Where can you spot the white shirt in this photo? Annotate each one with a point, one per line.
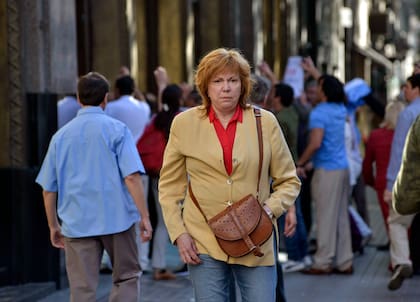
(132, 112)
(353, 153)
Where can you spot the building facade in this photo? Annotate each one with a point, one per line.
(47, 44)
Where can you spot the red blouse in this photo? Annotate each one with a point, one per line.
(226, 136)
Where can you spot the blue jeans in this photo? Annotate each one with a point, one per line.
(297, 245)
(212, 281)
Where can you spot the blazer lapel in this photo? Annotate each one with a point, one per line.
(213, 151)
(245, 140)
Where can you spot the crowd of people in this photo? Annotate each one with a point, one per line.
(310, 155)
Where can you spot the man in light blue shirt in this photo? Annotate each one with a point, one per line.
(398, 224)
(93, 167)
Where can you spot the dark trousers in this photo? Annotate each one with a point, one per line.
(280, 295)
(306, 201)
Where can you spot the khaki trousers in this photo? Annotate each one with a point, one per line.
(83, 258)
(399, 245)
(331, 192)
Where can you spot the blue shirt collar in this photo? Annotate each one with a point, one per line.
(90, 109)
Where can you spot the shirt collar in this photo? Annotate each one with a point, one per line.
(90, 109)
(237, 116)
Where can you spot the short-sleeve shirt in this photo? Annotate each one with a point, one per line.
(86, 163)
(331, 117)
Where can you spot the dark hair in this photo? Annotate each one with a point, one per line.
(285, 92)
(375, 104)
(125, 85)
(171, 99)
(414, 80)
(332, 88)
(92, 88)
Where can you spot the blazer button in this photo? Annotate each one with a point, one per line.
(229, 181)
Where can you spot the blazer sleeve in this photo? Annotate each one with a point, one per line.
(173, 183)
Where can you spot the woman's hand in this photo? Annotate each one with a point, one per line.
(187, 249)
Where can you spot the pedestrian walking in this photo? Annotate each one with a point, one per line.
(93, 194)
(398, 224)
(213, 156)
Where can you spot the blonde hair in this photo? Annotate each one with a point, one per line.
(217, 61)
(392, 111)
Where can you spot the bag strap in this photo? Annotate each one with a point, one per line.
(257, 114)
(196, 202)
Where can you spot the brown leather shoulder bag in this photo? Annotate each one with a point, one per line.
(243, 226)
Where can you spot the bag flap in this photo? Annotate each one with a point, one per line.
(248, 213)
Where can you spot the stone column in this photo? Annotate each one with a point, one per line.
(14, 135)
(48, 58)
(49, 49)
(63, 47)
(6, 18)
(40, 62)
(136, 14)
(109, 37)
(209, 27)
(279, 36)
(236, 26)
(258, 17)
(171, 32)
(268, 31)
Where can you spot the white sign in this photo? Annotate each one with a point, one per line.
(294, 75)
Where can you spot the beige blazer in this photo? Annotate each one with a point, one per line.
(194, 152)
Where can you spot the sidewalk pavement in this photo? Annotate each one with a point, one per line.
(367, 284)
(151, 291)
